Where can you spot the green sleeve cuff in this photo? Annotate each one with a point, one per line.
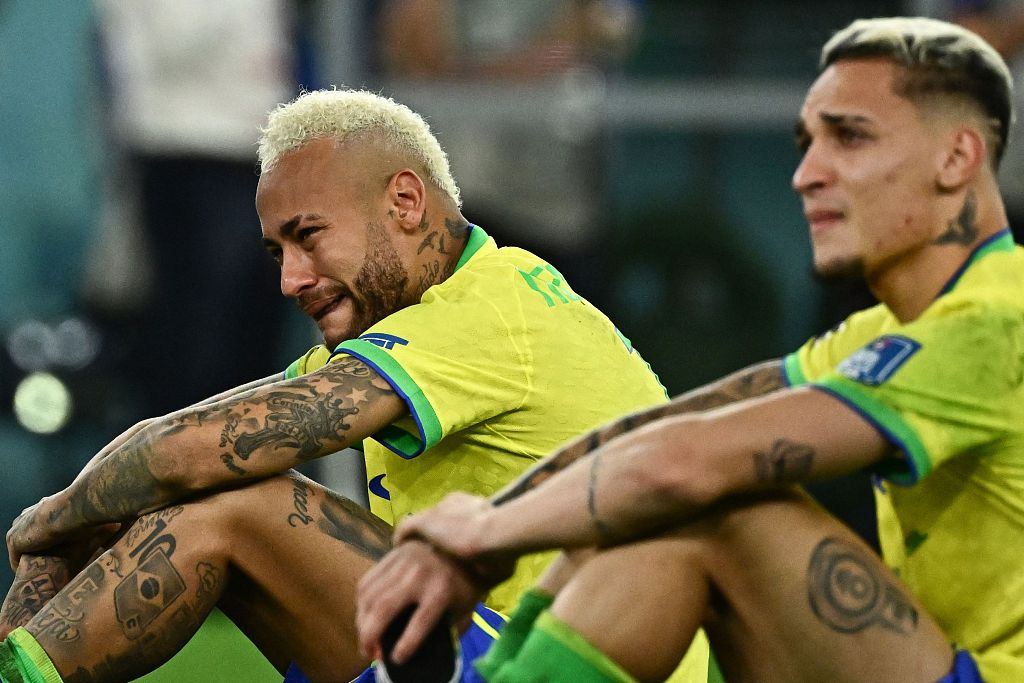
(399, 441)
(32, 661)
(916, 463)
(792, 373)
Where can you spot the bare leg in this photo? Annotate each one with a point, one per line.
(784, 591)
(36, 581)
(281, 557)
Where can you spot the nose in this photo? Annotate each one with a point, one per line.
(812, 172)
(297, 272)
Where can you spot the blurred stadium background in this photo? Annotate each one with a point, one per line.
(646, 151)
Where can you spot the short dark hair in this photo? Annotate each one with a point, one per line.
(940, 59)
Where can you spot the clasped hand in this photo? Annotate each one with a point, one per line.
(440, 564)
(41, 528)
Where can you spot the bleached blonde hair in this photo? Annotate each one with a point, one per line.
(350, 114)
(940, 59)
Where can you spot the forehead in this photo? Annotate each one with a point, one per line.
(304, 177)
(857, 87)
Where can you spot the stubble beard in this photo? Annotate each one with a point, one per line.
(839, 270)
(381, 282)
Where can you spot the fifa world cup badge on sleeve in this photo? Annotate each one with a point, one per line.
(879, 360)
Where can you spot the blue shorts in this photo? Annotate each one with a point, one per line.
(474, 643)
(964, 670)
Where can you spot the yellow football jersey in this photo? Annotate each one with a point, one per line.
(499, 364)
(947, 389)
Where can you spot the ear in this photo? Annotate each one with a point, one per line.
(962, 159)
(407, 199)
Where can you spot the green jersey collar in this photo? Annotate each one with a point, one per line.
(1001, 241)
(477, 239)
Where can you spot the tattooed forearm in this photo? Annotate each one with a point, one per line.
(756, 380)
(36, 582)
(848, 591)
(786, 462)
(252, 433)
(963, 229)
(119, 488)
(550, 466)
(354, 526)
(751, 382)
(603, 530)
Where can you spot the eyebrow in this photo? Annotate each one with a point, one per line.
(840, 119)
(801, 132)
(289, 227)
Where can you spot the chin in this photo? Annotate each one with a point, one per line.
(839, 269)
(333, 337)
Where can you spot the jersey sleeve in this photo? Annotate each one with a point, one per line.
(821, 354)
(455, 362)
(935, 387)
(314, 359)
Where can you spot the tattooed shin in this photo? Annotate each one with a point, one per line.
(61, 618)
(848, 592)
(38, 580)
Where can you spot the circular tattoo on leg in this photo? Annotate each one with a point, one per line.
(848, 593)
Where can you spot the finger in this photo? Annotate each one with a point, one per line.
(427, 614)
(380, 575)
(377, 603)
(427, 526)
(406, 530)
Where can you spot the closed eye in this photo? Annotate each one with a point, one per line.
(849, 135)
(303, 234)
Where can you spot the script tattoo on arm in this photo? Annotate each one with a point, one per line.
(848, 591)
(756, 380)
(786, 462)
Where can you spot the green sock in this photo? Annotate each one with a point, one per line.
(23, 660)
(554, 651)
(514, 632)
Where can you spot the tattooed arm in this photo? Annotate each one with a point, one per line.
(248, 435)
(666, 473)
(755, 380)
(132, 431)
